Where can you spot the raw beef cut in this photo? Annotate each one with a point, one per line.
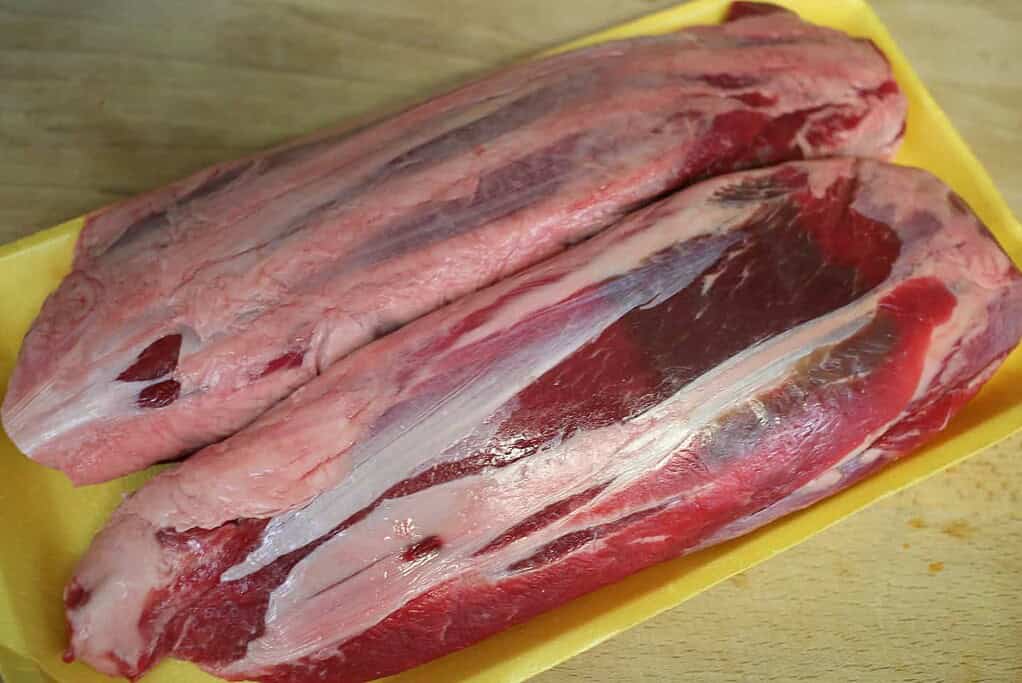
(733, 353)
(193, 309)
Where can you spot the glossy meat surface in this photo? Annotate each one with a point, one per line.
(719, 359)
(193, 309)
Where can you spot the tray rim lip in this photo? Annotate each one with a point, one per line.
(908, 79)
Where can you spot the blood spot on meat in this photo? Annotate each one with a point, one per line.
(756, 99)
(155, 361)
(159, 395)
(738, 10)
(76, 596)
(427, 546)
(291, 359)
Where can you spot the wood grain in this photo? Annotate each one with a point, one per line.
(103, 99)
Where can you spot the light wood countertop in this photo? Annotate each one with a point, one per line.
(100, 100)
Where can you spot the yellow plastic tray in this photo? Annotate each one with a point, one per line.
(47, 524)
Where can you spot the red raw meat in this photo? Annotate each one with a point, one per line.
(731, 354)
(193, 309)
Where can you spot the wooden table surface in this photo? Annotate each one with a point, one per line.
(103, 99)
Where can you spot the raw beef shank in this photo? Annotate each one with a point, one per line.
(735, 352)
(191, 310)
